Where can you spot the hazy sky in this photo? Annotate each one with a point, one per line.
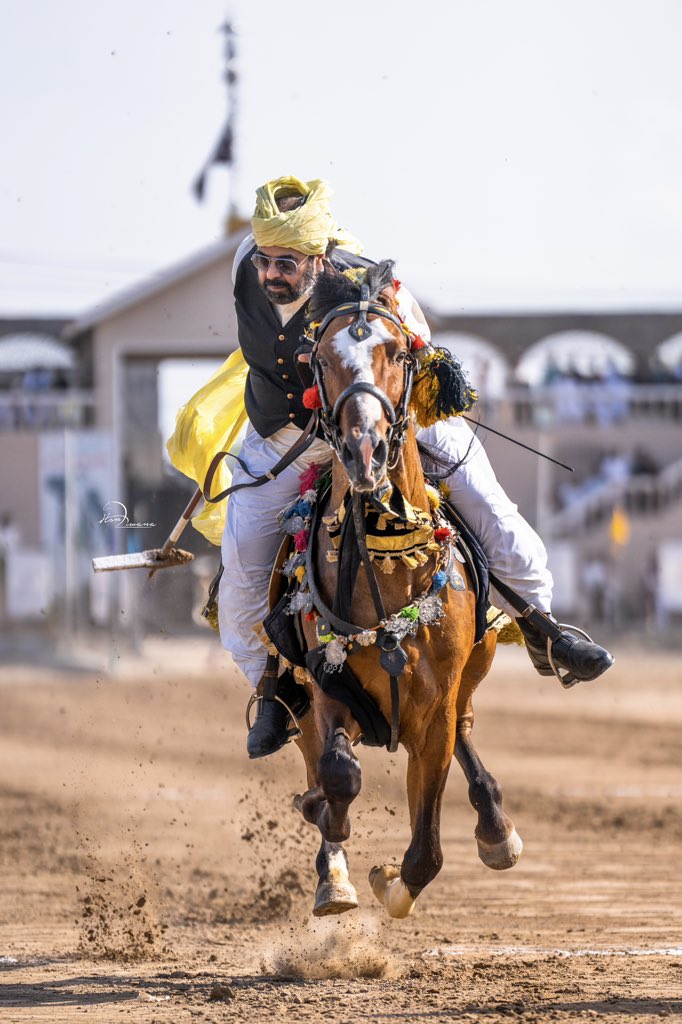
(506, 154)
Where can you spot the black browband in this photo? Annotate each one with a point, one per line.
(363, 307)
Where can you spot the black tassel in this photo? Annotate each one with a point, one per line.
(441, 388)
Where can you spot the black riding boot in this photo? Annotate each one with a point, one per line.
(581, 658)
(269, 732)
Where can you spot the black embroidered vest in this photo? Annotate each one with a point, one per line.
(274, 391)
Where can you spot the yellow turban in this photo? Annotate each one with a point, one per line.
(307, 229)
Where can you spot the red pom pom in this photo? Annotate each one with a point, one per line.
(417, 343)
(396, 283)
(442, 533)
(301, 540)
(310, 616)
(309, 478)
(311, 398)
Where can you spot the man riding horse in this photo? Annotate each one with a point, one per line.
(295, 239)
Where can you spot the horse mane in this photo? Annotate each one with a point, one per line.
(334, 287)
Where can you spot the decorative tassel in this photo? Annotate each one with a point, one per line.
(210, 614)
(441, 388)
(511, 634)
(358, 275)
(301, 541)
(442, 533)
(417, 343)
(309, 477)
(310, 616)
(366, 638)
(410, 613)
(434, 497)
(312, 398)
(440, 579)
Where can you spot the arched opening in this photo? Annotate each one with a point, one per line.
(576, 355)
(669, 355)
(487, 368)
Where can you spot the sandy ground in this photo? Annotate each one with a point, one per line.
(151, 873)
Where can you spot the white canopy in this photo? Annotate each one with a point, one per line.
(19, 352)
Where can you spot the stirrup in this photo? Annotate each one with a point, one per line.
(568, 679)
(292, 733)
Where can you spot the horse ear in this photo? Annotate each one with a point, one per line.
(381, 277)
(388, 298)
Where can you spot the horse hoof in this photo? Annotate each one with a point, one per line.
(500, 856)
(391, 891)
(334, 898)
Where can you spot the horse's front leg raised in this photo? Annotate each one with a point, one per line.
(335, 892)
(427, 772)
(334, 783)
(339, 776)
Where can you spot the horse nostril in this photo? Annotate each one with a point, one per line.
(380, 454)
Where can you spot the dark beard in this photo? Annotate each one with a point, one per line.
(286, 293)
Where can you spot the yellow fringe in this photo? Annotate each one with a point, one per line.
(424, 396)
(511, 634)
(433, 496)
(211, 617)
(507, 629)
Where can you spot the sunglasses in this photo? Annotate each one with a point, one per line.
(286, 265)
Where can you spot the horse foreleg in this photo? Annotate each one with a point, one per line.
(499, 844)
(335, 893)
(338, 770)
(427, 772)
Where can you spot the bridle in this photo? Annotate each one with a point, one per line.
(360, 329)
(392, 658)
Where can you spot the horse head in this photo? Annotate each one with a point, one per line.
(363, 370)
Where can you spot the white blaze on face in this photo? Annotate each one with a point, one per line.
(358, 356)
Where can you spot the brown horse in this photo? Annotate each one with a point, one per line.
(363, 364)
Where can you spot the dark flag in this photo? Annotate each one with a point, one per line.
(222, 154)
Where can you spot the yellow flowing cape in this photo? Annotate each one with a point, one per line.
(210, 422)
